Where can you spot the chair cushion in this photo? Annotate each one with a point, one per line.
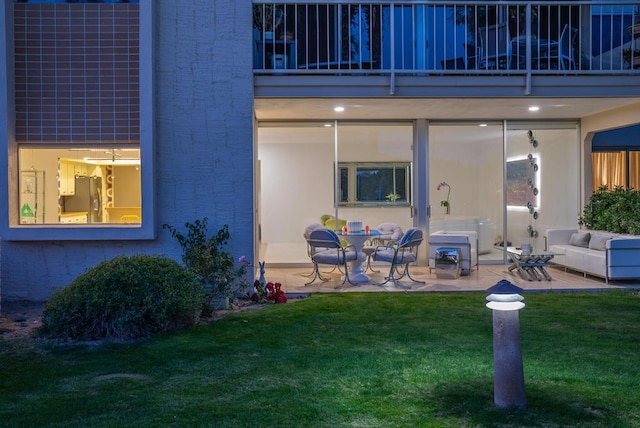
(390, 231)
(387, 254)
(333, 257)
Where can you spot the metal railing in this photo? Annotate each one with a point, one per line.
(442, 38)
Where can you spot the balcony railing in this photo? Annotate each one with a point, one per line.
(443, 38)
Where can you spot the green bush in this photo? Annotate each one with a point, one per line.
(208, 259)
(124, 298)
(615, 211)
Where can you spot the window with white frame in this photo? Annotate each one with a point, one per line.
(374, 183)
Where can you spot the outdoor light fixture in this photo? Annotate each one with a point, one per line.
(508, 372)
(338, 109)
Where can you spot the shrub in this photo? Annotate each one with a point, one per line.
(615, 211)
(207, 258)
(124, 298)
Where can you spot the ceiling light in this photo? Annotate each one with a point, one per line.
(534, 108)
(338, 109)
(327, 125)
(483, 124)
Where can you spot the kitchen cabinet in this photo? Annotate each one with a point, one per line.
(73, 217)
(66, 182)
(68, 172)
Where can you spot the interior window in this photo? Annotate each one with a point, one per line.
(375, 183)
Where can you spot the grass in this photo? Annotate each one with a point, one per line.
(350, 359)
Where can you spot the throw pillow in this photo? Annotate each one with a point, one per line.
(580, 239)
(598, 241)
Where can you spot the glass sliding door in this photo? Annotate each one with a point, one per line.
(542, 180)
(295, 167)
(375, 169)
(466, 182)
(302, 176)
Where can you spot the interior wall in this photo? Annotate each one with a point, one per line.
(557, 156)
(296, 175)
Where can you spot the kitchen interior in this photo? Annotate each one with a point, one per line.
(91, 185)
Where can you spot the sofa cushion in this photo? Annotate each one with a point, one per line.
(598, 241)
(580, 239)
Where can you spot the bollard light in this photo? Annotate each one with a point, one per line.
(508, 387)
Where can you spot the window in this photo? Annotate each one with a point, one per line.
(80, 185)
(77, 122)
(616, 169)
(67, 121)
(375, 184)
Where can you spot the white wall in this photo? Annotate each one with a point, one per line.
(297, 173)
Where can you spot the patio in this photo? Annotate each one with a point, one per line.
(293, 280)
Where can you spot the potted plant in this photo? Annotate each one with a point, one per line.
(267, 18)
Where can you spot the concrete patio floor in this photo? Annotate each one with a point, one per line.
(293, 280)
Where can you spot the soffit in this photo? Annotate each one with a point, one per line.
(434, 108)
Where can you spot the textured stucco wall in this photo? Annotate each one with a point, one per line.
(203, 123)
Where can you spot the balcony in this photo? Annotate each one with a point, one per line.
(425, 47)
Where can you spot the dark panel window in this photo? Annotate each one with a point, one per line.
(375, 184)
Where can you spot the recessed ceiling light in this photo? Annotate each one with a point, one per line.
(327, 125)
(534, 108)
(338, 109)
(483, 124)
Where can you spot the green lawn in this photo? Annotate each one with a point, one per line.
(349, 359)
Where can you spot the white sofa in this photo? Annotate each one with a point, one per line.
(466, 241)
(608, 255)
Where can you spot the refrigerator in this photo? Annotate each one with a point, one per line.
(87, 197)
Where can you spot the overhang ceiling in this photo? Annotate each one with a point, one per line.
(434, 108)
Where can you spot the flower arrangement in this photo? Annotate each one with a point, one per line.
(263, 291)
(445, 203)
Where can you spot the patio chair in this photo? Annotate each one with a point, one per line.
(400, 256)
(495, 46)
(390, 234)
(560, 55)
(326, 249)
(306, 235)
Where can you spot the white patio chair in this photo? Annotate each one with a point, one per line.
(400, 256)
(327, 249)
(390, 233)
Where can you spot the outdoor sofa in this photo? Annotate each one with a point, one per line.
(604, 254)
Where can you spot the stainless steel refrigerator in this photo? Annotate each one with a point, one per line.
(87, 197)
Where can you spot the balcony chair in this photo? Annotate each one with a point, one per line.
(400, 256)
(465, 241)
(560, 55)
(495, 47)
(326, 249)
(390, 234)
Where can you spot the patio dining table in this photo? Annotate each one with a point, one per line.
(358, 239)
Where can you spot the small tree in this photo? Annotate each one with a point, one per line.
(209, 261)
